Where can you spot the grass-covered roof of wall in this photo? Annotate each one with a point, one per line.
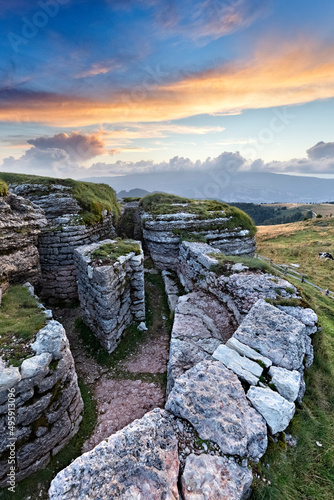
(164, 203)
(92, 198)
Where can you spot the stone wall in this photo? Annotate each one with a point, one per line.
(129, 222)
(64, 231)
(112, 295)
(47, 403)
(20, 225)
(162, 235)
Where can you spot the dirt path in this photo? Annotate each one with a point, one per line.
(132, 380)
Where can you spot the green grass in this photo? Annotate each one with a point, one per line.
(111, 251)
(37, 485)
(307, 471)
(251, 262)
(20, 320)
(3, 188)
(162, 203)
(129, 199)
(92, 198)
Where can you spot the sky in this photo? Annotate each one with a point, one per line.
(108, 87)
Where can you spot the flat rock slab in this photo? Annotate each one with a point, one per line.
(139, 462)
(274, 334)
(201, 324)
(246, 369)
(216, 478)
(212, 399)
(276, 410)
(250, 353)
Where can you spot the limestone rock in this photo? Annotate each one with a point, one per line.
(286, 382)
(51, 339)
(274, 334)
(9, 377)
(276, 410)
(243, 367)
(250, 353)
(35, 366)
(210, 477)
(140, 461)
(212, 399)
(304, 315)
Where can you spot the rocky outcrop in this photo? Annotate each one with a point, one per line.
(47, 403)
(162, 235)
(140, 461)
(111, 293)
(20, 225)
(64, 231)
(211, 477)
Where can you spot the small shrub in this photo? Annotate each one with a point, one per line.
(3, 188)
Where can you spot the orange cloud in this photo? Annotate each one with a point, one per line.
(292, 75)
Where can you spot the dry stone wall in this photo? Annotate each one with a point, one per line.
(20, 225)
(64, 231)
(47, 401)
(162, 236)
(112, 295)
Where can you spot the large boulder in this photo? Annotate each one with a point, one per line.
(212, 399)
(138, 462)
(286, 382)
(274, 334)
(210, 477)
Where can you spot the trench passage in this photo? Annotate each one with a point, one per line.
(132, 380)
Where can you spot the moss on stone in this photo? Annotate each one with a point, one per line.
(92, 198)
(111, 251)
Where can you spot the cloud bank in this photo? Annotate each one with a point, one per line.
(55, 156)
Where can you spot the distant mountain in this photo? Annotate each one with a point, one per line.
(242, 187)
(133, 193)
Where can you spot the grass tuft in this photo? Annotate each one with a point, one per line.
(3, 188)
(223, 268)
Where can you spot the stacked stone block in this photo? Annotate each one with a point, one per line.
(112, 295)
(47, 404)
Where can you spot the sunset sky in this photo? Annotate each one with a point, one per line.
(107, 87)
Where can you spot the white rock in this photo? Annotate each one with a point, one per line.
(286, 382)
(37, 365)
(241, 366)
(142, 327)
(276, 410)
(250, 353)
(239, 267)
(9, 377)
(51, 339)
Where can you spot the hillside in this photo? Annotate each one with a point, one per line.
(306, 471)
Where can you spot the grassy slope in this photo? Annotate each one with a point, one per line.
(325, 209)
(92, 198)
(307, 471)
(20, 320)
(163, 203)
